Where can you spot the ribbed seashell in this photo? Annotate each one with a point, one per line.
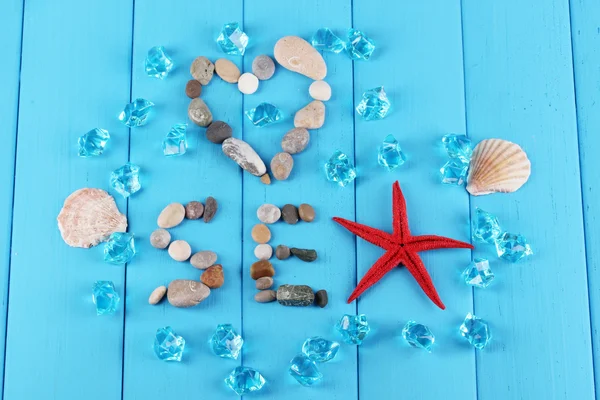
(497, 166)
(88, 217)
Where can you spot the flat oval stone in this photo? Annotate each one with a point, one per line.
(157, 295)
(321, 298)
(199, 113)
(265, 179)
(193, 89)
(263, 67)
(296, 54)
(213, 277)
(282, 252)
(218, 131)
(227, 70)
(248, 83)
(180, 250)
(244, 155)
(194, 210)
(311, 117)
(160, 239)
(295, 295)
(320, 90)
(261, 268)
(295, 140)
(307, 255)
(171, 216)
(268, 213)
(263, 251)
(202, 70)
(266, 282)
(289, 212)
(281, 166)
(203, 259)
(265, 296)
(306, 212)
(187, 293)
(261, 233)
(210, 209)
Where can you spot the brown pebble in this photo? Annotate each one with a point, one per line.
(210, 209)
(289, 212)
(213, 276)
(193, 89)
(321, 298)
(194, 210)
(306, 212)
(282, 252)
(266, 179)
(261, 234)
(266, 282)
(261, 268)
(265, 296)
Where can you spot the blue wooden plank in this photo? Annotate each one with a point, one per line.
(519, 82)
(75, 76)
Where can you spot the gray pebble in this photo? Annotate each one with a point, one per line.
(218, 131)
(194, 210)
(282, 252)
(160, 239)
(295, 295)
(199, 113)
(202, 69)
(263, 67)
(157, 295)
(268, 213)
(321, 298)
(281, 166)
(265, 296)
(295, 140)
(203, 259)
(244, 155)
(210, 209)
(304, 254)
(187, 293)
(289, 212)
(263, 251)
(266, 282)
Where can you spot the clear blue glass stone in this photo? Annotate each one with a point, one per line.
(105, 297)
(454, 172)
(126, 179)
(168, 346)
(418, 335)
(175, 143)
(93, 143)
(476, 331)
(512, 247)
(136, 113)
(374, 104)
(390, 154)
(244, 380)
(339, 169)
(304, 370)
(485, 227)
(359, 46)
(264, 114)
(324, 39)
(478, 273)
(458, 146)
(232, 40)
(353, 328)
(119, 248)
(226, 342)
(158, 64)
(319, 349)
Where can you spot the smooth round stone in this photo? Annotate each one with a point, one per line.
(265, 179)
(263, 251)
(261, 233)
(244, 155)
(210, 209)
(171, 216)
(321, 298)
(264, 283)
(263, 67)
(218, 131)
(289, 212)
(213, 277)
(160, 238)
(311, 117)
(281, 166)
(262, 268)
(194, 210)
(157, 295)
(268, 213)
(306, 212)
(187, 293)
(248, 83)
(180, 250)
(265, 296)
(295, 140)
(193, 89)
(320, 90)
(296, 54)
(199, 113)
(203, 259)
(202, 70)
(282, 252)
(227, 70)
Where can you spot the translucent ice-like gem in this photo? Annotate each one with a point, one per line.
(418, 335)
(353, 328)
(304, 370)
(324, 39)
(226, 342)
(374, 104)
(232, 39)
(390, 153)
(158, 64)
(319, 349)
(93, 142)
(126, 179)
(119, 248)
(512, 247)
(458, 146)
(244, 380)
(168, 346)
(478, 273)
(264, 114)
(105, 297)
(476, 331)
(339, 169)
(454, 172)
(486, 228)
(359, 46)
(136, 113)
(175, 143)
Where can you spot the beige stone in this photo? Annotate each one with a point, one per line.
(320, 90)
(297, 55)
(180, 250)
(227, 70)
(311, 117)
(171, 216)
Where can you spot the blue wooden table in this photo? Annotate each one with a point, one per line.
(525, 71)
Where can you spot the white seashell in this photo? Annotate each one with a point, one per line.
(88, 217)
(497, 166)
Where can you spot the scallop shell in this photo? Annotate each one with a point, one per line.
(497, 166)
(88, 217)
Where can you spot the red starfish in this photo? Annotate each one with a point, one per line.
(401, 248)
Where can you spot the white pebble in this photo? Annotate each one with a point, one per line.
(248, 83)
(320, 90)
(180, 250)
(263, 251)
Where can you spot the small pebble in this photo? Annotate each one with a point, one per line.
(282, 252)
(289, 212)
(157, 295)
(193, 89)
(265, 179)
(310, 117)
(227, 70)
(244, 155)
(210, 209)
(218, 131)
(187, 293)
(306, 212)
(194, 210)
(266, 282)
(203, 259)
(265, 296)
(263, 251)
(295, 140)
(261, 268)
(261, 233)
(199, 113)
(321, 298)
(281, 166)
(320, 90)
(248, 83)
(268, 213)
(304, 254)
(202, 69)
(213, 276)
(171, 216)
(180, 250)
(295, 295)
(263, 67)
(160, 239)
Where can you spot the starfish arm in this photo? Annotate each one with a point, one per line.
(416, 267)
(431, 242)
(371, 235)
(401, 229)
(386, 263)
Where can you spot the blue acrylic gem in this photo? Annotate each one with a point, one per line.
(390, 153)
(126, 180)
(458, 146)
(454, 172)
(353, 328)
(105, 297)
(264, 114)
(168, 346)
(232, 39)
(512, 247)
(359, 46)
(304, 370)
(93, 143)
(418, 335)
(486, 228)
(244, 380)
(119, 248)
(476, 331)
(175, 143)
(319, 349)
(374, 104)
(339, 169)
(324, 39)
(225, 342)
(478, 273)
(136, 113)
(158, 64)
